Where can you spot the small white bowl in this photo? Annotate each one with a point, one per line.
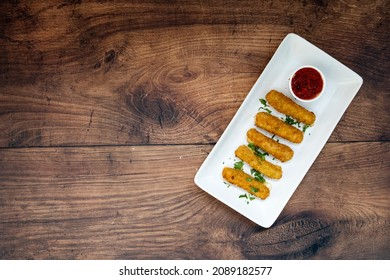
(313, 85)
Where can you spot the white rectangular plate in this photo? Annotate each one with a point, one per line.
(342, 84)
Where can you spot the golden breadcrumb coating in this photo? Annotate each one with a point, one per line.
(278, 127)
(245, 181)
(286, 106)
(261, 165)
(278, 150)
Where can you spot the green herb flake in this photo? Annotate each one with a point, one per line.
(257, 175)
(249, 179)
(252, 146)
(306, 126)
(266, 109)
(254, 190)
(247, 197)
(239, 165)
(265, 105)
(263, 101)
(290, 121)
(256, 151)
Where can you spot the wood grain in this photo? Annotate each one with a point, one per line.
(75, 73)
(134, 203)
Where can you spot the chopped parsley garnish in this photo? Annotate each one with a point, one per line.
(253, 189)
(265, 105)
(267, 110)
(263, 101)
(252, 146)
(247, 197)
(257, 151)
(249, 179)
(306, 126)
(257, 175)
(291, 121)
(239, 165)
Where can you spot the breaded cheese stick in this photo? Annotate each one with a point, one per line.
(286, 106)
(246, 182)
(265, 167)
(278, 127)
(278, 150)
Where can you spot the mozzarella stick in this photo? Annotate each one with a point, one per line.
(286, 106)
(278, 150)
(246, 182)
(265, 167)
(278, 127)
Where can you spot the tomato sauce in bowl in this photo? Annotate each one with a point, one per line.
(307, 83)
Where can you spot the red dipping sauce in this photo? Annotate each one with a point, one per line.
(307, 83)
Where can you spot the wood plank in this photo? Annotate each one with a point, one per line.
(140, 202)
(147, 73)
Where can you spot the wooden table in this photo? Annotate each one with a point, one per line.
(108, 109)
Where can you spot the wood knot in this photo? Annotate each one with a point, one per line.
(109, 56)
(26, 138)
(182, 75)
(300, 238)
(153, 104)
